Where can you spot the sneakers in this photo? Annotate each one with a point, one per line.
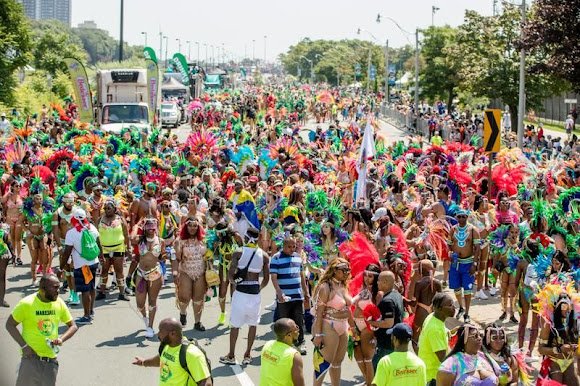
(460, 312)
(513, 319)
(199, 327)
(74, 296)
(100, 296)
(183, 319)
(149, 332)
(227, 360)
(271, 307)
(493, 291)
(123, 297)
(84, 320)
(18, 262)
(222, 318)
(302, 349)
(466, 319)
(481, 295)
(503, 316)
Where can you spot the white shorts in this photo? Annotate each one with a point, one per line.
(245, 309)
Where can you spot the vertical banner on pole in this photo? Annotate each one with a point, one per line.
(152, 88)
(181, 64)
(82, 91)
(149, 53)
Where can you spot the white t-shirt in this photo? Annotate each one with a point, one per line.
(73, 238)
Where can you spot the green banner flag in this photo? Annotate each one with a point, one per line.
(82, 90)
(149, 53)
(152, 87)
(181, 65)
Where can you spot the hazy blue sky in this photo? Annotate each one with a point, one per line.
(237, 23)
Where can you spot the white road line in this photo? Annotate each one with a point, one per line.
(243, 378)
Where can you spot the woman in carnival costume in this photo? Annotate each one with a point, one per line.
(116, 244)
(6, 254)
(482, 219)
(38, 210)
(189, 270)
(13, 203)
(148, 276)
(558, 343)
(513, 369)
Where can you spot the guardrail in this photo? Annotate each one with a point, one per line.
(408, 121)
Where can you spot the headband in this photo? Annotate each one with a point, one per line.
(489, 330)
(466, 328)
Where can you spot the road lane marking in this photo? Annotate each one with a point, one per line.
(243, 378)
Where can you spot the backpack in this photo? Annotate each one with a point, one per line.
(183, 352)
(89, 247)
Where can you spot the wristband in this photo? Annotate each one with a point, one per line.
(318, 335)
(23, 347)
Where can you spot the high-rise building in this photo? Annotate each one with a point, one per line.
(48, 10)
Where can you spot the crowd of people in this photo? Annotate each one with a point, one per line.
(349, 230)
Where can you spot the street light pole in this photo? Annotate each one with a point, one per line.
(205, 44)
(254, 52)
(387, 72)
(121, 32)
(417, 71)
(188, 50)
(265, 38)
(145, 34)
(522, 91)
(178, 40)
(197, 44)
(433, 10)
(369, 72)
(160, 45)
(166, 45)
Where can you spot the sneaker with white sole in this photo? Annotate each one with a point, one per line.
(481, 295)
(149, 332)
(493, 291)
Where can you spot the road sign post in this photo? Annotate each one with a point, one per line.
(491, 139)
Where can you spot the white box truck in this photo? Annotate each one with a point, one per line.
(122, 100)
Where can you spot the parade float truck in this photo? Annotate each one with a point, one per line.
(122, 100)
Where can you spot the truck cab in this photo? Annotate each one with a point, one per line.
(122, 100)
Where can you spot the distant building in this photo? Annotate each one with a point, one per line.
(48, 10)
(88, 24)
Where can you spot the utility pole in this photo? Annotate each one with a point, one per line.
(369, 72)
(494, 7)
(265, 39)
(121, 34)
(188, 50)
(522, 93)
(205, 44)
(145, 34)
(178, 40)
(433, 10)
(160, 46)
(417, 71)
(254, 52)
(197, 44)
(387, 72)
(166, 45)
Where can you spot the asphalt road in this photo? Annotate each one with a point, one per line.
(101, 353)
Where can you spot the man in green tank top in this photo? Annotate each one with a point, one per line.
(281, 362)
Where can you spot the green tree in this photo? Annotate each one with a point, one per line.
(488, 47)
(439, 75)
(100, 46)
(54, 41)
(553, 33)
(15, 46)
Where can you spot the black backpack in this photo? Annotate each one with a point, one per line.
(183, 352)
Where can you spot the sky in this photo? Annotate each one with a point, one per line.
(267, 28)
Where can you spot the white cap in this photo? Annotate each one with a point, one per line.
(379, 214)
(3, 115)
(79, 214)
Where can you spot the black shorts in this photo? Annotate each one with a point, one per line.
(80, 285)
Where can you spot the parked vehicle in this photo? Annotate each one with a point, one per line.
(171, 114)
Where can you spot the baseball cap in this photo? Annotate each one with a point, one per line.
(379, 214)
(401, 331)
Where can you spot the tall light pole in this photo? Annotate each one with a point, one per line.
(254, 52)
(434, 9)
(160, 45)
(265, 39)
(121, 32)
(145, 34)
(387, 71)
(197, 44)
(188, 50)
(178, 40)
(212, 55)
(417, 71)
(522, 91)
(166, 45)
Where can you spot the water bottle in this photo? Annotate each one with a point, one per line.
(55, 349)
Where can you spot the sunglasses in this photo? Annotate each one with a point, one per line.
(343, 269)
(461, 216)
(498, 337)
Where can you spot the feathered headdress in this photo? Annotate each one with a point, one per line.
(202, 143)
(85, 171)
(360, 252)
(58, 157)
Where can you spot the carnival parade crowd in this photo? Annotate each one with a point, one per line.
(349, 230)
